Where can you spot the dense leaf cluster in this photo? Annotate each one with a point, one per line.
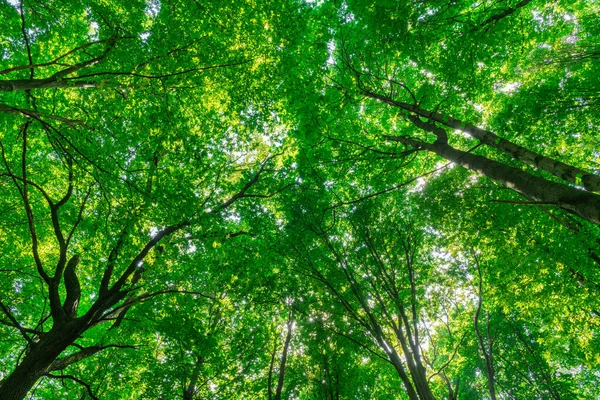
(360, 199)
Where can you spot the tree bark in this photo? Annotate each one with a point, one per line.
(397, 363)
(487, 351)
(191, 389)
(415, 367)
(559, 169)
(286, 348)
(392, 355)
(39, 359)
(48, 83)
(418, 371)
(67, 329)
(580, 202)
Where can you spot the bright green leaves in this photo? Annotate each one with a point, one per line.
(248, 121)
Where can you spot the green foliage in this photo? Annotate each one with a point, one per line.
(264, 202)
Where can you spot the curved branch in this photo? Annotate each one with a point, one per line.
(30, 221)
(64, 362)
(74, 379)
(142, 254)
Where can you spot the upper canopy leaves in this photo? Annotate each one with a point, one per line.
(243, 199)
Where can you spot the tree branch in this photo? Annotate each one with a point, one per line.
(29, 213)
(74, 379)
(248, 185)
(510, 10)
(15, 323)
(56, 60)
(38, 115)
(64, 362)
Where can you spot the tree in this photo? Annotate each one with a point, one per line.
(374, 277)
(98, 203)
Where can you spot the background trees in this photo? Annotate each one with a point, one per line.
(266, 199)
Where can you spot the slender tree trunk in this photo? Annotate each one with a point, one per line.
(488, 355)
(559, 169)
(397, 363)
(286, 348)
(418, 371)
(452, 392)
(487, 351)
(391, 353)
(270, 377)
(580, 202)
(191, 389)
(415, 367)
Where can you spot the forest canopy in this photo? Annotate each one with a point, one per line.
(293, 199)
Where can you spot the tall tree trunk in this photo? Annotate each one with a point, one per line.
(418, 371)
(559, 169)
(580, 202)
(393, 356)
(270, 377)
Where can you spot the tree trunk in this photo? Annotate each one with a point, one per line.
(487, 351)
(397, 363)
(559, 169)
(191, 389)
(270, 376)
(415, 367)
(580, 202)
(38, 360)
(286, 348)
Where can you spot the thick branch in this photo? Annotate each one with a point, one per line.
(48, 83)
(510, 10)
(580, 202)
(72, 287)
